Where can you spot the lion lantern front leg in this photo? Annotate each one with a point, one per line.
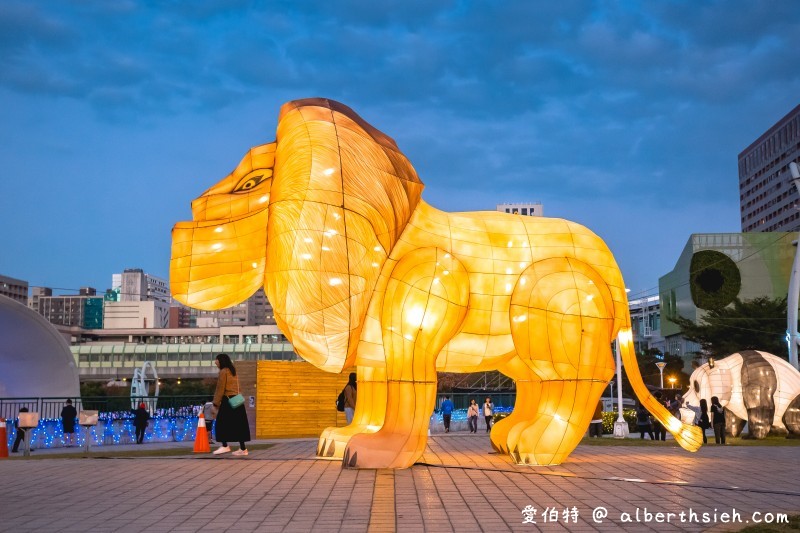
(424, 305)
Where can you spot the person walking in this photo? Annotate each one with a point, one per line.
(447, 413)
(596, 425)
(20, 432)
(472, 416)
(718, 420)
(658, 428)
(643, 422)
(350, 393)
(140, 418)
(231, 423)
(704, 422)
(488, 413)
(68, 415)
(209, 413)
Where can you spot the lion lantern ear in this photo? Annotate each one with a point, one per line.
(218, 260)
(342, 195)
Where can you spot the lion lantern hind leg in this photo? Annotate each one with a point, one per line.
(562, 324)
(366, 419)
(423, 307)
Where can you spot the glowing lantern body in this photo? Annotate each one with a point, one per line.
(361, 272)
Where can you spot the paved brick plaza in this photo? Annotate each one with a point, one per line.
(458, 486)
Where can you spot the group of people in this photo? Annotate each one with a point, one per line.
(705, 418)
(473, 412)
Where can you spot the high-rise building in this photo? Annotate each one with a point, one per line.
(255, 311)
(84, 310)
(533, 209)
(13, 288)
(767, 198)
(134, 285)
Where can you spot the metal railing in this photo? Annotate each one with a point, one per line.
(109, 407)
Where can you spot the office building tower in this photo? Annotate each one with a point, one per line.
(768, 199)
(13, 288)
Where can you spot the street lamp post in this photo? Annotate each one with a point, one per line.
(672, 382)
(612, 393)
(661, 365)
(794, 286)
(620, 426)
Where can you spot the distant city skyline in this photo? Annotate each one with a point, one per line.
(626, 118)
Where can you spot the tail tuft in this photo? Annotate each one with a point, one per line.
(689, 437)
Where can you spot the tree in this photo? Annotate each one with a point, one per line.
(757, 324)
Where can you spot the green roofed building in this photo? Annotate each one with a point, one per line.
(715, 268)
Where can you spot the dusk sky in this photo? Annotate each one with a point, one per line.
(627, 117)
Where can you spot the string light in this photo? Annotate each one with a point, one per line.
(111, 430)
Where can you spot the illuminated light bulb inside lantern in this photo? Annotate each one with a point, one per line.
(447, 256)
(522, 265)
(377, 249)
(335, 281)
(508, 287)
(508, 271)
(523, 281)
(306, 256)
(446, 272)
(408, 337)
(216, 246)
(589, 297)
(336, 216)
(435, 281)
(263, 199)
(375, 265)
(414, 316)
(328, 171)
(326, 249)
(330, 232)
(308, 239)
(591, 282)
(557, 417)
(218, 229)
(510, 244)
(520, 318)
(673, 425)
(255, 265)
(524, 244)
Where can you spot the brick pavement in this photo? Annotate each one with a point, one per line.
(459, 485)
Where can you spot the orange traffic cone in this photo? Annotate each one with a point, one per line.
(3, 439)
(201, 437)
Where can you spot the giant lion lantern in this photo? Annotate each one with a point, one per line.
(363, 273)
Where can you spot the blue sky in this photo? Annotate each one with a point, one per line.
(624, 116)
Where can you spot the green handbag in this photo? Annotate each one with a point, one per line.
(236, 401)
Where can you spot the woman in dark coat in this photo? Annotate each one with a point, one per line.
(231, 424)
(718, 420)
(68, 415)
(140, 418)
(704, 422)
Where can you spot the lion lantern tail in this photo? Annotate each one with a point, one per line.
(688, 436)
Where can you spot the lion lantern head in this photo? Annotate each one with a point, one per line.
(312, 218)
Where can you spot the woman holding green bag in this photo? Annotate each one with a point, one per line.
(231, 424)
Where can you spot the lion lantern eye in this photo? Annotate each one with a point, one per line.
(251, 181)
(697, 387)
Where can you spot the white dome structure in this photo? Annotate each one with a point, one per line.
(35, 360)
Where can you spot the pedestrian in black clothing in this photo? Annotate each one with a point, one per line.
(643, 422)
(140, 418)
(658, 428)
(718, 420)
(20, 432)
(704, 422)
(68, 415)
